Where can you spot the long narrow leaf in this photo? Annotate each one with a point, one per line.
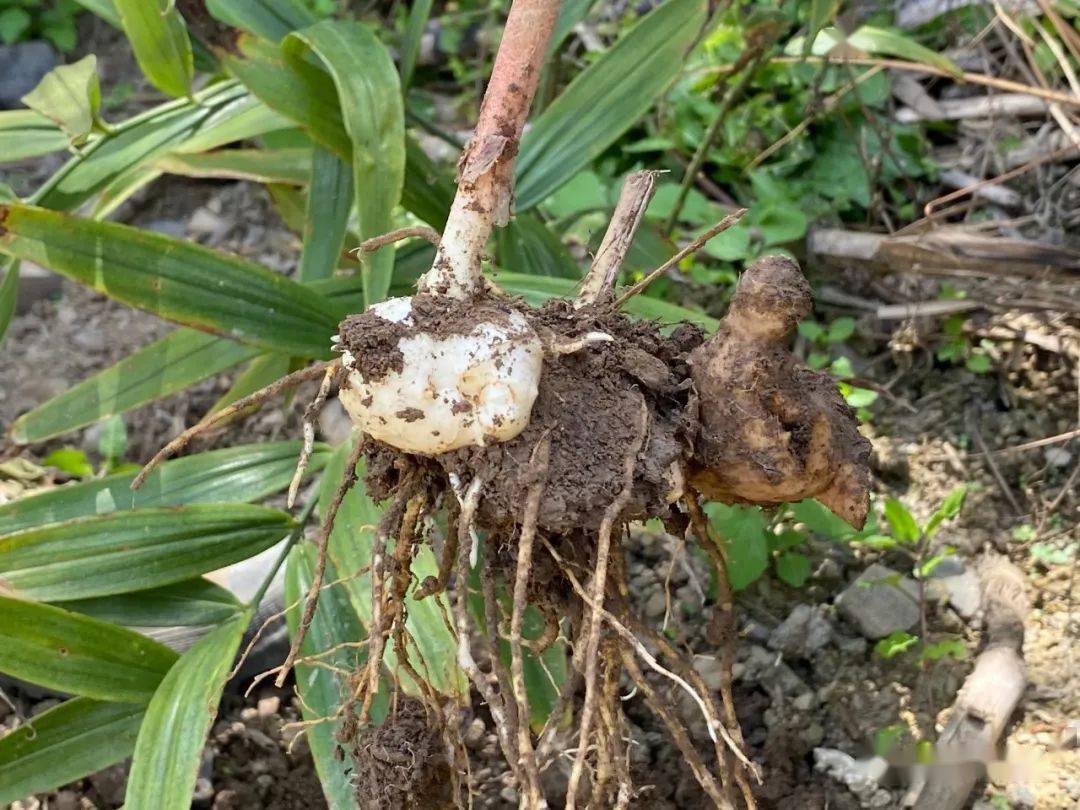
(121, 552)
(605, 99)
(178, 360)
(159, 38)
(191, 603)
(329, 200)
(321, 689)
(173, 278)
(527, 245)
(419, 12)
(374, 117)
(27, 134)
(435, 650)
(9, 295)
(70, 653)
(172, 735)
(235, 474)
(164, 367)
(537, 289)
(290, 166)
(69, 741)
(301, 92)
(269, 19)
(139, 140)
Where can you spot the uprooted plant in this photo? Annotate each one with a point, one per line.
(541, 433)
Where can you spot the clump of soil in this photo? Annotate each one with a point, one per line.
(401, 763)
(590, 404)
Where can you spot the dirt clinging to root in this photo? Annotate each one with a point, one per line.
(401, 763)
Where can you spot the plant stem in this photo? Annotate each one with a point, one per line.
(707, 140)
(486, 170)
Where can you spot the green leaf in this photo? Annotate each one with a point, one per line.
(821, 13)
(326, 216)
(26, 134)
(129, 551)
(9, 295)
(820, 520)
(104, 9)
(191, 603)
(950, 507)
(428, 191)
(793, 568)
(107, 159)
(528, 246)
(69, 741)
(571, 12)
(321, 690)
(69, 460)
(269, 19)
(858, 397)
(54, 648)
(903, 525)
(173, 278)
(895, 643)
(160, 40)
(164, 367)
(606, 99)
(435, 650)
(944, 648)
(289, 166)
(171, 739)
(260, 372)
(300, 91)
(537, 289)
(742, 530)
(70, 96)
(370, 99)
(978, 363)
(892, 43)
(778, 223)
(245, 473)
(840, 330)
(112, 443)
(14, 23)
(419, 12)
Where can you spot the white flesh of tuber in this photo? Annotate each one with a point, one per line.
(453, 391)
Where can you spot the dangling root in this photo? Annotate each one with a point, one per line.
(348, 478)
(463, 626)
(666, 713)
(603, 548)
(180, 442)
(389, 238)
(393, 518)
(527, 763)
(310, 415)
(726, 619)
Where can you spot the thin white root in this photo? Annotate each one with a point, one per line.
(310, 415)
(583, 342)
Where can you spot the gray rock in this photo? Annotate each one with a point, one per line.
(710, 669)
(169, 227)
(22, 66)
(880, 601)
(655, 604)
(35, 284)
(802, 633)
(861, 776)
(964, 592)
(767, 668)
